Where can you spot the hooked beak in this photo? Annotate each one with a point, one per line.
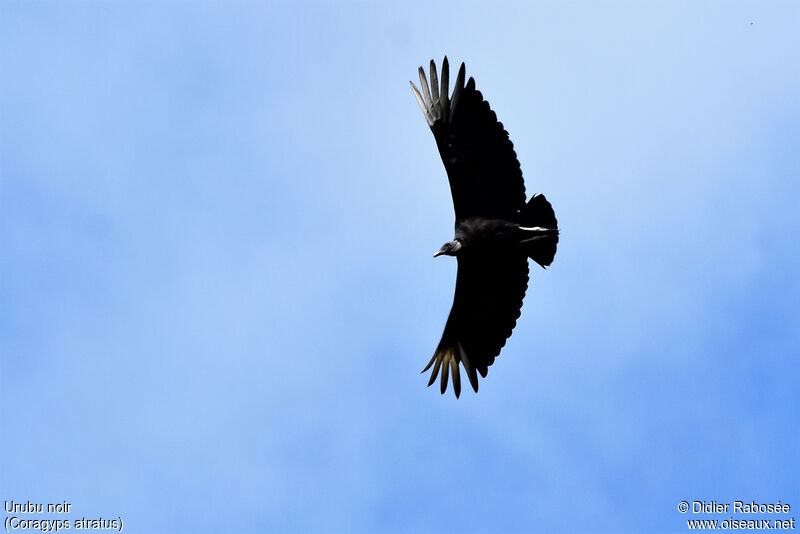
(450, 248)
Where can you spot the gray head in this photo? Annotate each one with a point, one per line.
(450, 248)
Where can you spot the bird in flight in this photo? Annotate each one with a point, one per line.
(496, 230)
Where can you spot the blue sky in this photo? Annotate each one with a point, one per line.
(217, 291)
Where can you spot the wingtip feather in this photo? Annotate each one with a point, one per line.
(434, 84)
(456, 376)
(457, 88)
(472, 375)
(433, 358)
(426, 93)
(436, 367)
(445, 373)
(444, 93)
(421, 103)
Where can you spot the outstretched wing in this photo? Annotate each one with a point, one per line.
(482, 167)
(487, 304)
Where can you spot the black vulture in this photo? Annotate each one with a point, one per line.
(496, 230)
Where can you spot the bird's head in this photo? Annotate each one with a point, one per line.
(450, 248)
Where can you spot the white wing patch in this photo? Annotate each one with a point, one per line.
(433, 100)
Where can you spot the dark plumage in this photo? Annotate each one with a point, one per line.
(496, 230)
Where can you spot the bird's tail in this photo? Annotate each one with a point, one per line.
(540, 230)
